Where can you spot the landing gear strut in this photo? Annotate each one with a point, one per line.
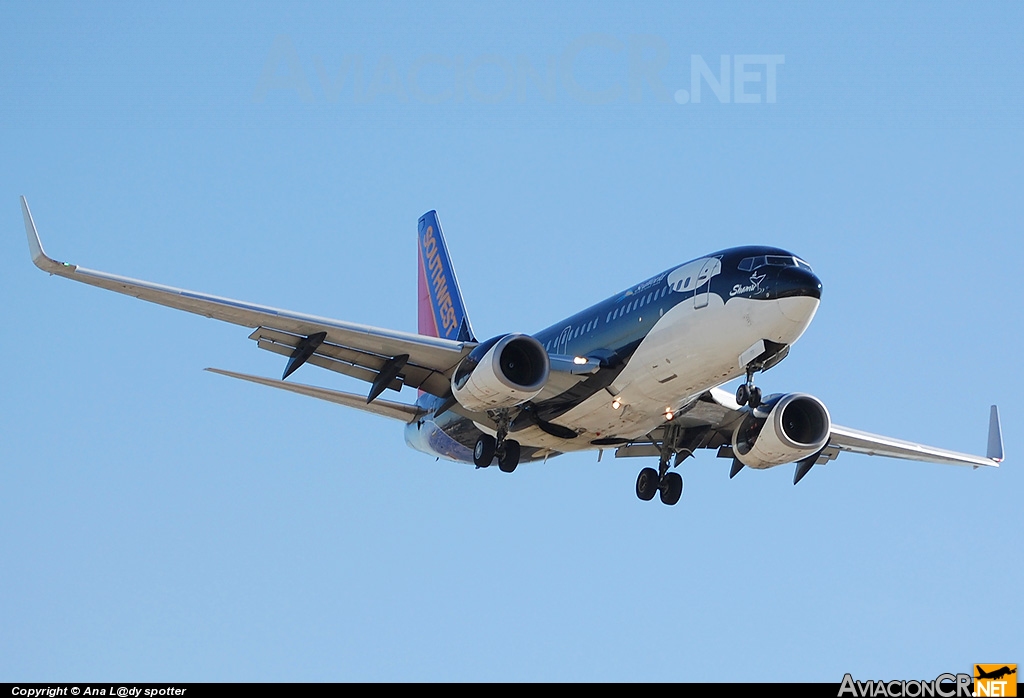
(506, 449)
(748, 393)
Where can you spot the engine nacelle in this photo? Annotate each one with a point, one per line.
(782, 430)
(501, 372)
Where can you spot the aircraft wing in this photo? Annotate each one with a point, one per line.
(386, 358)
(856, 441)
(718, 412)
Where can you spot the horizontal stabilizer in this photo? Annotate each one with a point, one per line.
(385, 408)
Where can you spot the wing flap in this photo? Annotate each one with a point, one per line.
(358, 364)
(330, 364)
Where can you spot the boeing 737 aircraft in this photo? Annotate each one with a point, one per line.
(638, 372)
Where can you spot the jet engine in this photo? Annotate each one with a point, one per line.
(502, 372)
(783, 429)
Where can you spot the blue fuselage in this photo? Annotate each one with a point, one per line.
(612, 330)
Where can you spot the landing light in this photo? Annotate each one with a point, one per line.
(579, 360)
(616, 404)
(669, 415)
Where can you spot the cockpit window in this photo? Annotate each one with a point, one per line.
(772, 260)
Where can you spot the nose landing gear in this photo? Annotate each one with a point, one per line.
(748, 393)
(760, 357)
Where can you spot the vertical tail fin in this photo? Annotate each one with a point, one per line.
(441, 310)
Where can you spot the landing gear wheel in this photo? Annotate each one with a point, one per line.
(509, 458)
(742, 395)
(755, 397)
(483, 452)
(647, 484)
(671, 488)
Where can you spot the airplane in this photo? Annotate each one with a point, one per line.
(640, 372)
(996, 674)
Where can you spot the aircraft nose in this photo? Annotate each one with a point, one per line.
(797, 281)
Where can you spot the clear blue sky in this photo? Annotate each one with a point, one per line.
(162, 523)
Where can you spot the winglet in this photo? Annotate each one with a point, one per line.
(995, 436)
(35, 246)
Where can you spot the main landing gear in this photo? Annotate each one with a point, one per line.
(748, 393)
(507, 450)
(670, 485)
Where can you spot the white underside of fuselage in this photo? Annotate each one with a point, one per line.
(689, 351)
